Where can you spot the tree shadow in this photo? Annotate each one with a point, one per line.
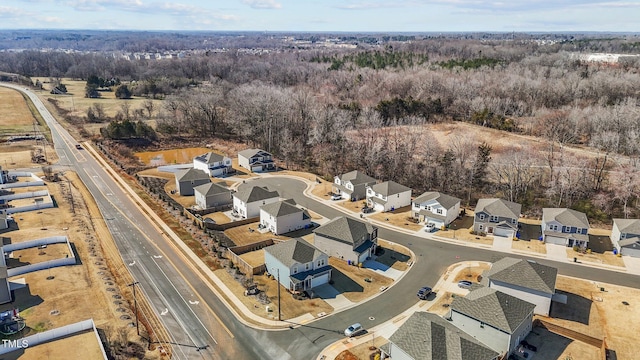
(549, 345)
(577, 308)
(342, 283)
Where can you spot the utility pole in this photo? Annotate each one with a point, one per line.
(279, 318)
(135, 305)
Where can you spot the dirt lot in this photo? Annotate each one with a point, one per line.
(172, 156)
(399, 217)
(291, 307)
(529, 245)
(349, 280)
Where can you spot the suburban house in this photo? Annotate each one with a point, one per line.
(247, 201)
(427, 336)
(388, 196)
(352, 185)
(214, 164)
(496, 216)
(526, 280)
(434, 207)
(4, 176)
(283, 217)
(4, 220)
(212, 195)
(347, 238)
(564, 226)
(298, 265)
(496, 319)
(186, 180)
(256, 160)
(625, 236)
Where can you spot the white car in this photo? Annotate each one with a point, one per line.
(430, 227)
(335, 197)
(353, 330)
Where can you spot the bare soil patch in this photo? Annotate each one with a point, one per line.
(17, 155)
(186, 201)
(171, 156)
(363, 351)
(350, 280)
(472, 273)
(399, 217)
(606, 258)
(529, 245)
(441, 306)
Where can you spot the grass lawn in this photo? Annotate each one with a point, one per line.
(15, 116)
(186, 201)
(399, 217)
(530, 245)
(354, 206)
(254, 258)
(606, 258)
(349, 280)
(395, 256)
(322, 190)
(465, 235)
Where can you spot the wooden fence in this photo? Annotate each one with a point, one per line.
(233, 254)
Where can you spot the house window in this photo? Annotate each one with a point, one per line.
(513, 221)
(306, 266)
(439, 211)
(428, 208)
(553, 227)
(480, 227)
(578, 231)
(566, 229)
(295, 269)
(481, 217)
(494, 218)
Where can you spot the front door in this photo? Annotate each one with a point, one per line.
(307, 284)
(490, 230)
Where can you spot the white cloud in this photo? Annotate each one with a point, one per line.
(262, 4)
(375, 5)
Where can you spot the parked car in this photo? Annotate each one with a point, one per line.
(353, 330)
(424, 292)
(430, 227)
(528, 346)
(367, 210)
(464, 284)
(78, 146)
(335, 197)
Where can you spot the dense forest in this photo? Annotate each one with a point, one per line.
(373, 107)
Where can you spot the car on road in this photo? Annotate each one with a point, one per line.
(78, 146)
(353, 330)
(424, 292)
(430, 227)
(464, 284)
(335, 197)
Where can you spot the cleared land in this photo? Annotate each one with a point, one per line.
(172, 156)
(15, 116)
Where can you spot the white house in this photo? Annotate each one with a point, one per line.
(388, 196)
(212, 163)
(297, 264)
(283, 216)
(352, 185)
(4, 176)
(256, 160)
(4, 220)
(347, 238)
(526, 280)
(247, 201)
(564, 226)
(186, 180)
(625, 236)
(434, 207)
(496, 216)
(427, 336)
(212, 195)
(496, 319)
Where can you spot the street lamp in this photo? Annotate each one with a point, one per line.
(135, 305)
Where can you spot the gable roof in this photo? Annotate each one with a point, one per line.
(389, 188)
(211, 189)
(524, 273)
(248, 153)
(255, 193)
(427, 336)
(294, 251)
(346, 229)
(628, 226)
(356, 177)
(447, 201)
(494, 308)
(191, 174)
(499, 207)
(564, 216)
(281, 208)
(210, 158)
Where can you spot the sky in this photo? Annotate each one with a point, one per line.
(325, 15)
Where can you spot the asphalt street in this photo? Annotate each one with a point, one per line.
(195, 316)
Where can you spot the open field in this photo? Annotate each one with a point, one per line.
(172, 156)
(85, 346)
(399, 217)
(15, 116)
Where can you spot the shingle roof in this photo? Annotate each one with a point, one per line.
(211, 189)
(281, 208)
(499, 207)
(564, 216)
(210, 158)
(524, 273)
(293, 251)
(356, 177)
(255, 193)
(427, 336)
(346, 229)
(251, 152)
(628, 226)
(191, 174)
(494, 308)
(389, 188)
(447, 201)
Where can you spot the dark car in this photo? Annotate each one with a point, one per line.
(464, 284)
(367, 210)
(424, 292)
(78, 147)
(528, 346)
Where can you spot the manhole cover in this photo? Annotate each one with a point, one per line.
(51, 277)
(116, 296)
(121, 309)
(371, 318)
(111, 289)
(54, 312)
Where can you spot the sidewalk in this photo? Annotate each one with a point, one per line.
(387, 329)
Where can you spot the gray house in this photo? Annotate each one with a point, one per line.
(186, 180)
(4, 220)
(427, 336)
(526, 280)
(248, 200)
(256, 160)
(214, 164)
(496, 319)
(352, 185)
(496, 216)
(283, 216)
(625, 236)
(436, 208)
(212, 195)
(347, 238)
(299, 265)
(564, 226)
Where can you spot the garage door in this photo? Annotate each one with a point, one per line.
(503, 232)
(555, 240)
(320, 280)
(378, 207)
(631, 252)
(363, 257)
(256, 168)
